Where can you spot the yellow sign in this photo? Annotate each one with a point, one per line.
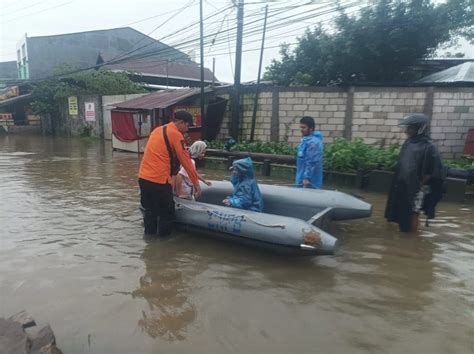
(9, 92)
(73, 106)
(195, 111)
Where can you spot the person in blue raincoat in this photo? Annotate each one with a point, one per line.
(246, 192)
(309, 158)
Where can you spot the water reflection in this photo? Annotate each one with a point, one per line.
(165, 286)
(71, 238)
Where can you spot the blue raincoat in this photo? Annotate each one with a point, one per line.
(309, 160)
(246, 192)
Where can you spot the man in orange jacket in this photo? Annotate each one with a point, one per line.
(165, 147)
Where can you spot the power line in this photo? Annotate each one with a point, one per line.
(148, 54)
(39, 12)
(26, 7)
(112, 61)
(230, 55)
(253, 30)
(190, 42)
(218, 31)
(12, 3)
(153, 17)
(160, 40)
(157, 27)
(285, 24)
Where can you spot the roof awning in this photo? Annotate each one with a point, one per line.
(462, 73)
(160, 99)
(14, 100)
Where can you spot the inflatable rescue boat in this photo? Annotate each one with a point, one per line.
(293, 219)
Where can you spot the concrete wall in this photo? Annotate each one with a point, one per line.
(328, 109)
(453, 115)
(66, 124)
(377, 113)
(371, 113)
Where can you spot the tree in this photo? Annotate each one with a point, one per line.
(379, 45)
(450, 55)
(47, 93)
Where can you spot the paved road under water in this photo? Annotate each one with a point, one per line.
(72, 254)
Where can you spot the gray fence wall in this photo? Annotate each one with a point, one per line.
(371, 113)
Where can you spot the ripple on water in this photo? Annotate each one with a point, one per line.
(72, 247)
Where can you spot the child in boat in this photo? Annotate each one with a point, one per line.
(246, 192)
(184, 186)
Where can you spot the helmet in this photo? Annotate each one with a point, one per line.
(417, 119)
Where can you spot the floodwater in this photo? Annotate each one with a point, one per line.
(72, 254)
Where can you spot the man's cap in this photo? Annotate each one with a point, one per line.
(185, 117)
(415, 119)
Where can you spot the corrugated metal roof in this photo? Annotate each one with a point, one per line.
(160, 99)
(162, 68)
(459, 73)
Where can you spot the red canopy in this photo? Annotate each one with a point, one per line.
(123, 126)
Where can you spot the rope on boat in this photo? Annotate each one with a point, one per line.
(243, 217)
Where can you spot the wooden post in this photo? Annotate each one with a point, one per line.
(238, 65)
(201, 29)
(255, 102)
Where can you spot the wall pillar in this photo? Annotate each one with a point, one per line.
(349, 113)
(275, 122)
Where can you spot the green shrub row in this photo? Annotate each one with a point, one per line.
(342, 155)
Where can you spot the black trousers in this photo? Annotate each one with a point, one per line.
(157, 199)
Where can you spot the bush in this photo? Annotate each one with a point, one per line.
(348, 156)
(464, 163)
(256, 147)
(341, 156)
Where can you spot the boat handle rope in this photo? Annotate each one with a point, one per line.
(243, 217)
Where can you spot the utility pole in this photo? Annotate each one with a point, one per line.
(167, 76)
(238, 65)
(201, 28)
(257, 89)
(213, 71)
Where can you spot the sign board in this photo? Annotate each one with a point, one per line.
(90, 111)
(72, 101)
(195, 111)
(6, 116)
(9, 92)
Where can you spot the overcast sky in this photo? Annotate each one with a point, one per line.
(38, 18)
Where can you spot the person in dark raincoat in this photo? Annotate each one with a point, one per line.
(246, 192)
(418, 180)
(309, 156)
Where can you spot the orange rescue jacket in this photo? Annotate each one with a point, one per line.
(155, 165)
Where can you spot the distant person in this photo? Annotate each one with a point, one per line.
(246, 192)
(418, 181)
(309, 157)
(165, 147)
(184, 185)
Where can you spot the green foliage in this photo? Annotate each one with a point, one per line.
(265, 147)
(347, 156)
(464, 163)
(216, 144)
(343, 155)
(380, 44)
(86, 131)
(256, 147)
(47, 94)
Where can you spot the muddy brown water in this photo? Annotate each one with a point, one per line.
(72, 254)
